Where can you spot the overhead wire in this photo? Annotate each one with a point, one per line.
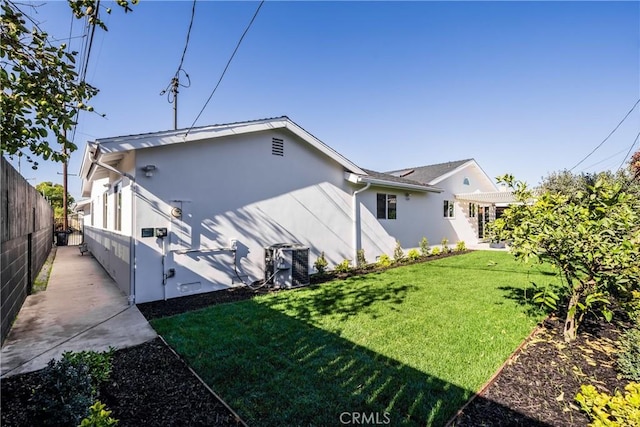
(608, 136)
(175, 80)
(635, 141)
(225, 68)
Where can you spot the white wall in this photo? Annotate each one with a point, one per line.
(461, 227)
(112, 251)
(409, 227)
(234, 188)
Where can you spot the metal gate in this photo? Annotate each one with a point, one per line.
(73, 235)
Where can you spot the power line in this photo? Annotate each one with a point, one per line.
(226, 67)
(603, 160)
(608, 136)
(635, 141)
(174, 84)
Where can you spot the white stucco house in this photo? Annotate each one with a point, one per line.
(182, 212)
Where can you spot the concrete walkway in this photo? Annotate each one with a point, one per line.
(82, 309)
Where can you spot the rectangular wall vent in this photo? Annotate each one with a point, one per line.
(277, 147)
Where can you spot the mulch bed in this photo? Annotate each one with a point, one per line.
(538, 385)
(149, 386)
(152, 386)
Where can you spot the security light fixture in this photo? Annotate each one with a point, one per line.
(148, 170)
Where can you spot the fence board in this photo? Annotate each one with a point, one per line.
(26, 235)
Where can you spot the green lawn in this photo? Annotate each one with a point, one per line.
(409, 345)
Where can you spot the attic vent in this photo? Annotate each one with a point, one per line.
(277, 147)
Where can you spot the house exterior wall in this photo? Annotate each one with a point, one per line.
(234, 188)
(461, 227)
(410, 225)
(111, 247)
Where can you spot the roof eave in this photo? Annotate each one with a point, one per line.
(365, 179)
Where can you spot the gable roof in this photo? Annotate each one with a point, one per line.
(102, 155)
(430, 173)
(109, 151)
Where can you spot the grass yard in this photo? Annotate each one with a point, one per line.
(407, 346)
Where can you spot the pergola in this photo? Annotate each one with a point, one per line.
(487, 198)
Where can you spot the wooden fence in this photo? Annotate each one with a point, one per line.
(26, 241)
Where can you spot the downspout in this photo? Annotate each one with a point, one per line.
(357, 235)
(132, 247)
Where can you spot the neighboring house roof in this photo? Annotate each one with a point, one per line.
(430, 173)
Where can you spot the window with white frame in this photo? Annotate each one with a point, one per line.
(448, 209)
(117, 206)
(105, 209)
(386, 206)
(472, 210)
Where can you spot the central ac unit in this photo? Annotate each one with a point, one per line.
(286, 265)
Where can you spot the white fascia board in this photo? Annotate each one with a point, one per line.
(451, 173)
(359, 179)
(134, 142)
(471, 162)
(322, 147)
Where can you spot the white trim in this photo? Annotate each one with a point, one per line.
(365, 179)
(487, 197)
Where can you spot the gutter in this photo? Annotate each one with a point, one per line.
(357, 235)
(131, 299)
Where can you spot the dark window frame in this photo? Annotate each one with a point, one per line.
(386, 206)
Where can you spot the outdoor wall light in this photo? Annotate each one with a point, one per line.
(407, 196)
(149, 169)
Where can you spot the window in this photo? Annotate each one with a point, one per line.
(104, 209)
(386, 206)
(448, 209)
(117, 207)
(472, 210)
(465, 181)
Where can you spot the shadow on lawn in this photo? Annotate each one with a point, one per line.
(276, 370)
(350, 298)
(524, 298)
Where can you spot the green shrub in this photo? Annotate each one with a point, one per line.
(361, 261)
(613, 411)
(321, 264)
(632, 306)
(413, 254)
(424, 246)
(445, 245)
(98, 363)
(384, 260)
(99, 416)
(343, 267)
(629, 354)
(461, 246)
(435, 250)
(64, 394)
(398, 253)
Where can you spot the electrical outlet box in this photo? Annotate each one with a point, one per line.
(161, 232)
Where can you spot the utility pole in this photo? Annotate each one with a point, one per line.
(175, 82)
(65, 219)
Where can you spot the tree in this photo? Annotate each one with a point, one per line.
(592, 238)
(54, 193)
(634, 165)
(42, 92)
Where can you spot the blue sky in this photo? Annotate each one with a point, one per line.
(523, 87)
